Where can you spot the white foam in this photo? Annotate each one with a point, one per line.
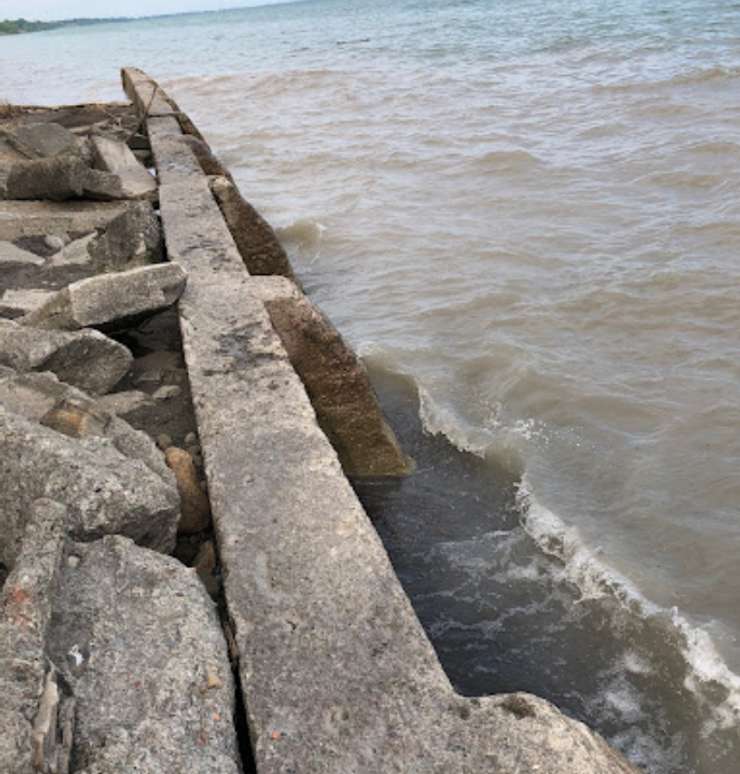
(438, 420)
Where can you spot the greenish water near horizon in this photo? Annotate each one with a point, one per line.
(528, 214)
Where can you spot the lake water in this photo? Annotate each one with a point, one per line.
(526, 217)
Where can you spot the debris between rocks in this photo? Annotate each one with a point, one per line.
(194, 507)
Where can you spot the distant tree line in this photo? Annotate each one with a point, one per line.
(17, 26)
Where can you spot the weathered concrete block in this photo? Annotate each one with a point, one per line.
(336, 381)
(42, 140)
(155, 694)
(132, 239)
(16, 303)
(32, 218)
(257, 243)
(110, 299)
(43, 398)
(86, 359)
(31, 698)
(57, 178)
(147, 97)
(105, 491)
(116, 157)
(102, 185)
(175, 158)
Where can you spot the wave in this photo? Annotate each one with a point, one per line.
(708, 678)
(304, 234)
(509, 161)
(691, 78)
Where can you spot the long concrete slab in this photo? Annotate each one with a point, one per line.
(338, 674)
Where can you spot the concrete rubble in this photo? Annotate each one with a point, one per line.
(183, 396)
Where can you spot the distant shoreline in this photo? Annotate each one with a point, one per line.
(22, 26)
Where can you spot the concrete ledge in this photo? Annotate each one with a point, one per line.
(338, 674)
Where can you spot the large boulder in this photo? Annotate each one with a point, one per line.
(111, 300)
(114, 156)
(148, 663)
(35, 710)
(57, 178)
(260, 249)
(86, 359)
(105, 491)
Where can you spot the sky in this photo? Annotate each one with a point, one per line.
(66, 9)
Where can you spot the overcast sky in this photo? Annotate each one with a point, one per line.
(66, 9)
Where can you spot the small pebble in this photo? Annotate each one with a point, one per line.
(191, 439)
(73, 561)
(164, 441)
(56, 243)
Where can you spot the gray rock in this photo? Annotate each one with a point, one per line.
(116, 157)
(102, 185)
(167, 392)
(43, 398)
(33, 703)
(154, 694)
(42, 140)
(132, 239)
(126, 404)
(110, 299)
(16, 303)
(10, 254)
(56, 242)
(336, 381)
(75, 253)
(57, 178)
(33, 218)
(105, 491)
(259, 247)
(86, 359)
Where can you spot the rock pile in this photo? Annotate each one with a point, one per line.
(90, 504)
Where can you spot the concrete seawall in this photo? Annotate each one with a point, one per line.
(333, 670)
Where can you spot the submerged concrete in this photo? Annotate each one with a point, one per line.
(337, 672)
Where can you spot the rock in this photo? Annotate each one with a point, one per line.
(56, 242)
(205, 565)
(75, 253)
(16, 303)
(260, 249)
(164, 441)
(111, 300)
(28, 218)
(194, 506)
(105, 491)
(209, 163)
(57, 178)
(336, 381)
(167, 392)
(126, 404)
(103, 185)
(34, 706)
(191, 439)
(154, 694)
(86, 359)
(10, 254)
(43, 398)
(42, 140)
(116, 157)
(132, 239)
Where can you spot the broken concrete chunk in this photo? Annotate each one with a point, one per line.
(105, 491)
(111, 299)
(132, 239)
(42, 140)
(103, 185)
(31, 698)
(10, 254)
(260, 249)
(116, 157)
(57, 178)
(155, 695)
(38, 218)
(336, 381)
(43, 398)
(75, 253)
(16, 303)
(194, 507)
(86, 359)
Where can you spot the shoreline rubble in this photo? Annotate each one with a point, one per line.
(167, 388)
